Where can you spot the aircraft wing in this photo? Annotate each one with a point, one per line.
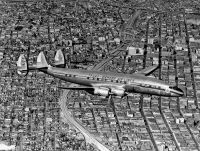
(148, 71)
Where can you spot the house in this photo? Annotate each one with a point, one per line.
(134, 51)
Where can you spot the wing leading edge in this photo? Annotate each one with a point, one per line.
(148, 71)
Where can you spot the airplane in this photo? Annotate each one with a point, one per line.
(104, 84)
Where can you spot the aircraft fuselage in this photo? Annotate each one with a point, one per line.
(131, 83)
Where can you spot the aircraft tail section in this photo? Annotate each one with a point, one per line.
(60, 59)
(22, 65)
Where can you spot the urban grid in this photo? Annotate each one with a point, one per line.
(123, 36)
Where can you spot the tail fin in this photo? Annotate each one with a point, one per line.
(41, 61)
(60, 59)
(22, 66)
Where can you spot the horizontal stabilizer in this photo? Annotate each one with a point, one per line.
(148, 71)
(60, 59)
(23, 68)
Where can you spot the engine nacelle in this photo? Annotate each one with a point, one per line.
(106, 92)
(118, 92)
(101, 91)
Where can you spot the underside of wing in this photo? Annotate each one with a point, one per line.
(148, 71)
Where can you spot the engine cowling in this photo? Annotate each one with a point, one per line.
(106, 92)
(101, 91)
(118, 92)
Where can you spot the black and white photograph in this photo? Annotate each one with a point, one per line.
(99, 75)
